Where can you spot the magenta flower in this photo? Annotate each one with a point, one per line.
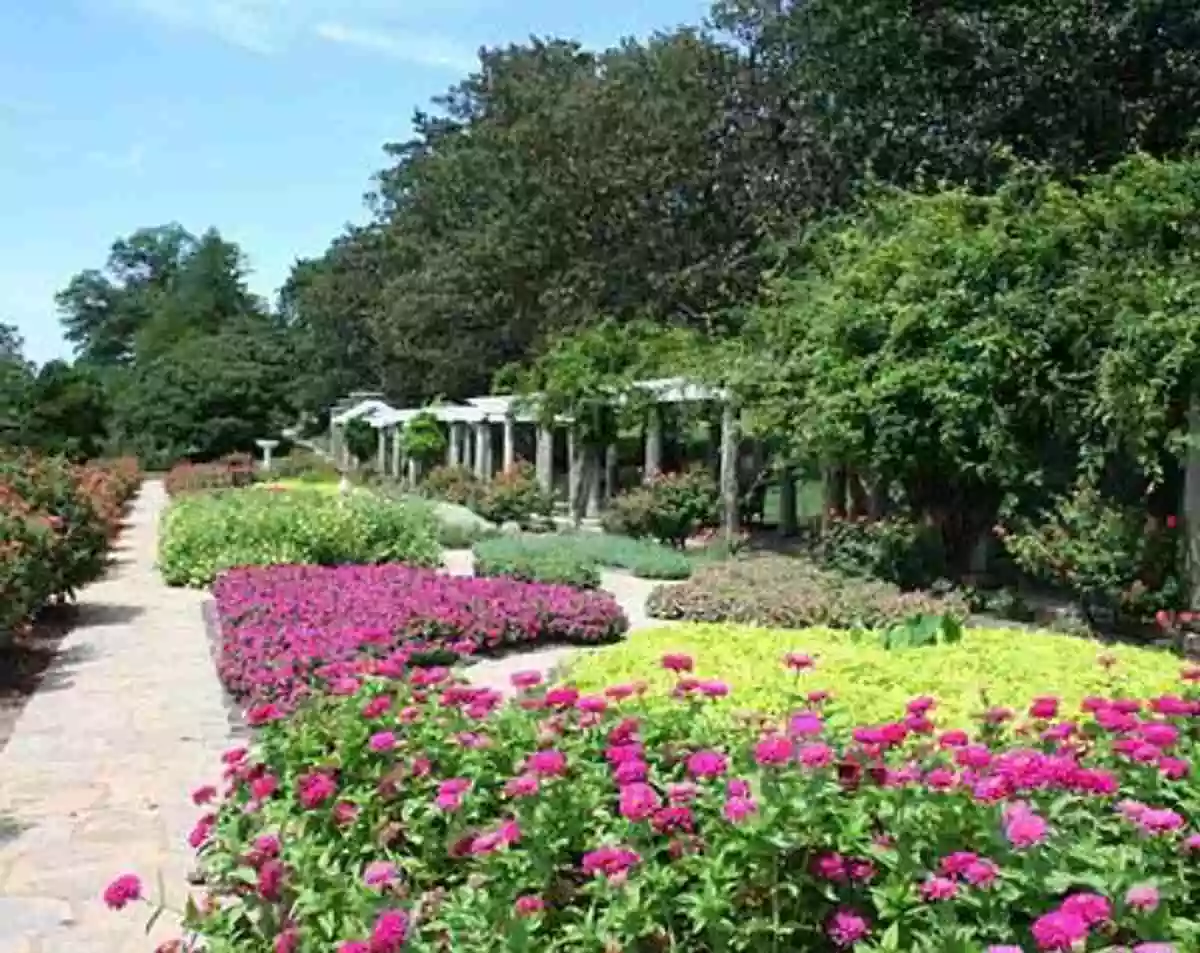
(1023, 827)
(523, 785)
(798, 661)
(547, 764)
(390, 931)
(1044, 708)
(628, 772)
(938, 888)
(315, 789)
(123, 891)
(773, 751)
(203, 795)
(270, 880)
(376, 707)
(525, 680)
(738, 808)
(1143, 897)
(1059, 931)
(1091, 908)
(638, 802)
(816, 755)
(805, 724)
(707, 764)
(380, 873)
(846, 928)
(529, 905)
(612, 862)
(382, 741)
(677, 662)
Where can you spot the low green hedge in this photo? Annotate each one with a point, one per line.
(868, 683)
(576, 559)
(204, 534)
(793, 593)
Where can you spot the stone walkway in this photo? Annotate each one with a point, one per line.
(95, 779)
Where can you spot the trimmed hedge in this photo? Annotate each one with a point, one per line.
(203, 534)
(56, 524)
(285, 628)
(792, 593)
(576, 559)
(869, 684)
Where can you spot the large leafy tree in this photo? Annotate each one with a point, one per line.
(972, 350)
(67, 411)
(16, 378)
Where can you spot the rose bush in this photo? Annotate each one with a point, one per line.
(235, 470)
(577, 558)
(284, 628)
(790, 592)
(56, 523)
(419, 814)
(204, 533)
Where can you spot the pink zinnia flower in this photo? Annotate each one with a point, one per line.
(263, 787)
(523, 785)
(830, 866)
(529, 905)
(678, 662)
(805, 724)
(270, 880)
(353, 946)
(845, 928)
(981, 873)
(203, 795)
(816, 755)
(123, 891)
(1059, 931)
(629, 771)
(773, 751)
(938, 888)
(1142, 897)
(1023, 827)
(737, 809)
(547, 764)
(1091, 908)
(1044, 708)
(382, 741)
(376, 707)
(380, 873)
(390, 931)
(707, 764)
(953, 739)
(638, 802)
(315, 789)
(954, 865)
(714, 688)
(798, 661)
(524, 680)
(612, 862)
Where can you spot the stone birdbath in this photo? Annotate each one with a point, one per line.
(267, 447)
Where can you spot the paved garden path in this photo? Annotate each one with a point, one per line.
(629, 591)
(94, 781)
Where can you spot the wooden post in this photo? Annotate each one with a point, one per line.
(729, 475)
(509, 447)
(654, 443)
(545, 458)
(788, 522)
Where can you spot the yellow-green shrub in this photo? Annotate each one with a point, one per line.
(870, 684)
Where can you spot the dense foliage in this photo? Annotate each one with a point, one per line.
(285, 629)
(669, 507)
(409, 815)
(512, 496)
(577, 558)
(56, 524)
(235, 470)
(792, 593)
(204, 533)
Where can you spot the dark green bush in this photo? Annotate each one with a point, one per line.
(896, 549)
(793, 593)
(512, 496)
(671, 507)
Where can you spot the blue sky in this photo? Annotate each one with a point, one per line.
(264, 118)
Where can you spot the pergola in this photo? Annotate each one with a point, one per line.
(471, 439)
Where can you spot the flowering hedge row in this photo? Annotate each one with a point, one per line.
(424, 815)
(286, 627)
(235, 470)
(56, 523)
(988, 668)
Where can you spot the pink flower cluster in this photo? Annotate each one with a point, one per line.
(284, 628)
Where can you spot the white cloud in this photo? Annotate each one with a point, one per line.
(269, 26)
(422, 50)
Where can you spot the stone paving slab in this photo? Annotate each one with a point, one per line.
(95, 780)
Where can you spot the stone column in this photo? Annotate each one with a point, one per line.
(381, 451)
(397, 450)
(477, 462)
(545, 458)
(575, 468)
(489, 452)
(654, 443)
(788, 522)
(610, 472)
(509, 446)
(594, 476)
(729, 475)
(450, 448)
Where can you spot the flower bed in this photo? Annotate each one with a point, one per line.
(285, 627)
(989, 668)
(792, 593)
(206, 533)
(576, 559)
(56, 524)
(424, 816)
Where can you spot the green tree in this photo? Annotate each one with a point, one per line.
(16, 378)
(67, 411)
